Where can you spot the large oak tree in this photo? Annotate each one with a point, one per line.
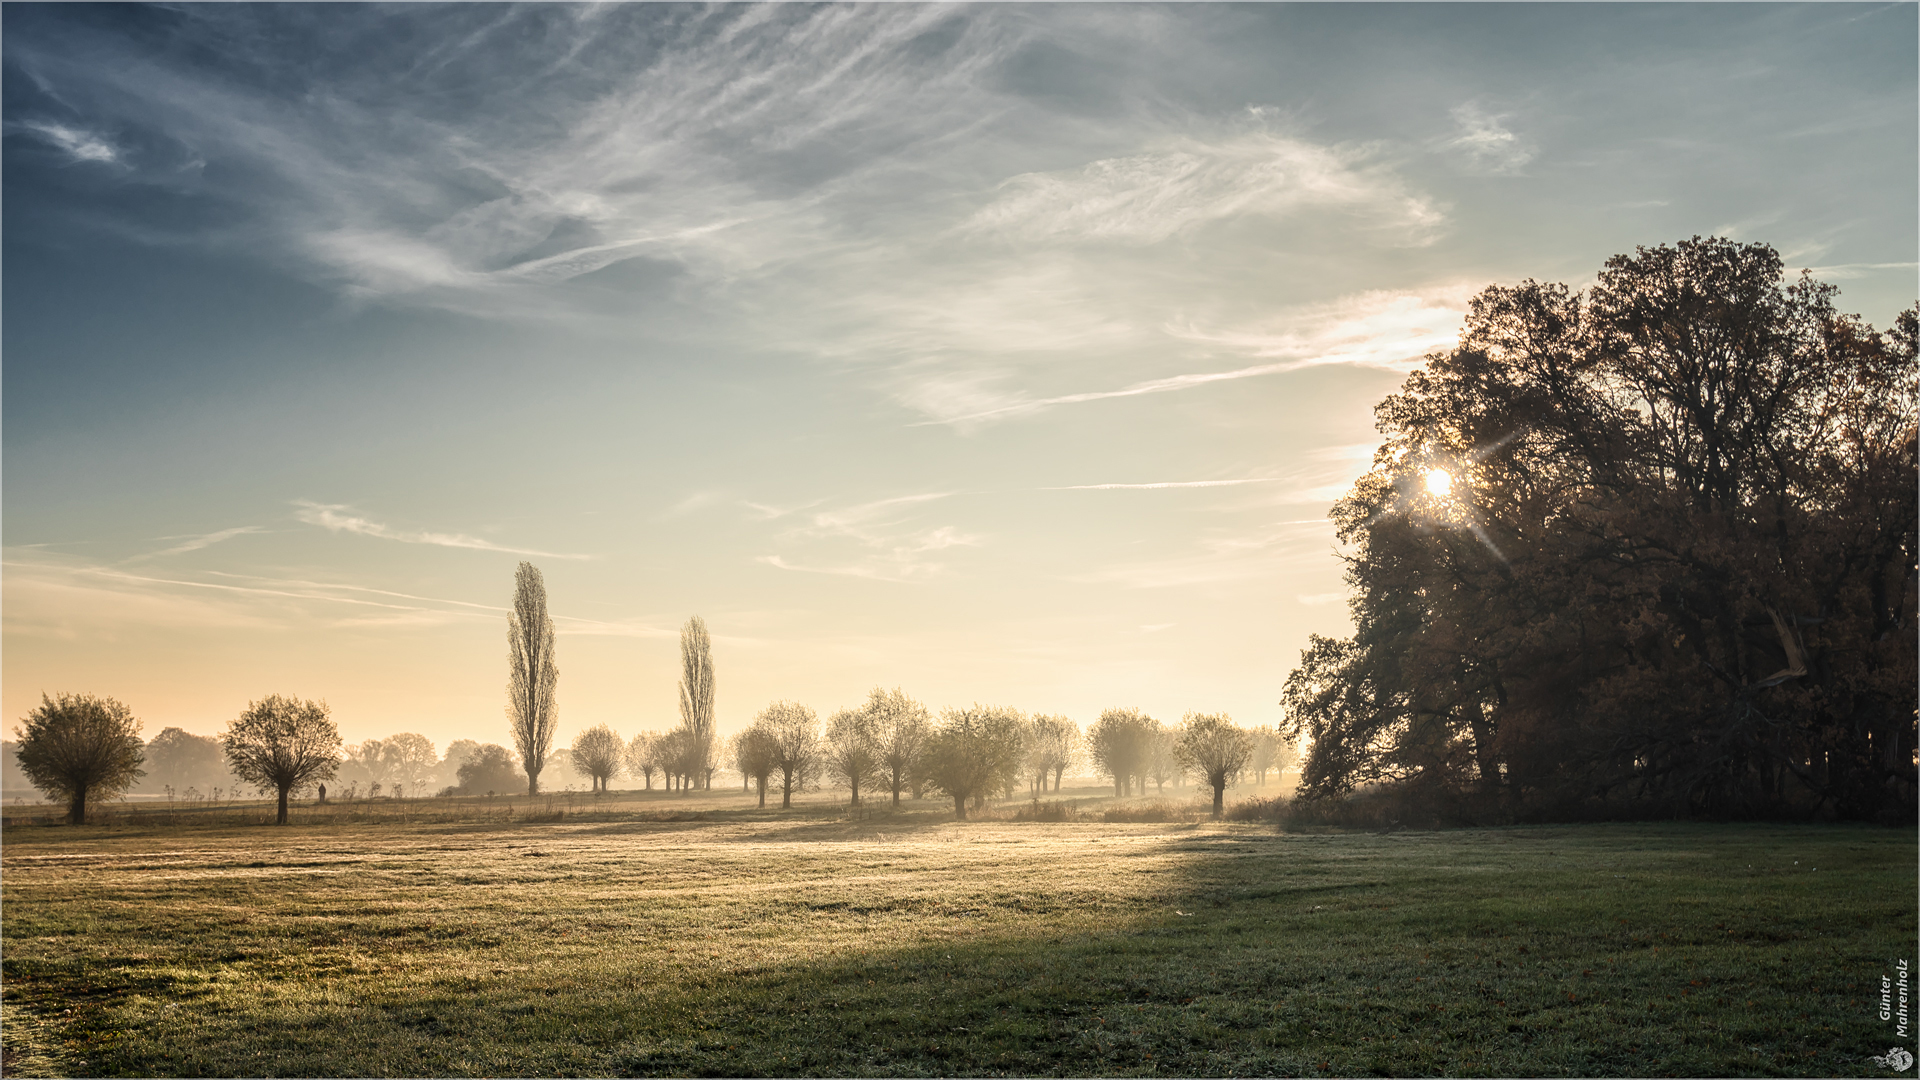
(1646, 547)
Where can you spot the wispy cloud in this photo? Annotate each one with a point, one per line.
(1223, 555)
(53, 591)
(1487, 143)
(892, 544)
(1380, 329)
(1147, 198)
(79, 144)
(1386, 329)
(65, 596)
(340, 518)
(195, 543)
(676, 135)
(1165, 484)
(871, 573)
(1846, 271)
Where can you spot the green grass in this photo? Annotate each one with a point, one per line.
(757, 943)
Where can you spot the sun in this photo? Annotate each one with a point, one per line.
(1439, 482)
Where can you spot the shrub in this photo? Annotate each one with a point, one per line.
(1259, 808)
(1160, 810)
(1051, 810)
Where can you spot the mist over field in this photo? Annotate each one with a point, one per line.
(1005, 354)
(1076, 539)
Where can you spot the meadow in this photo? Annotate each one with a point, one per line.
(702, 936)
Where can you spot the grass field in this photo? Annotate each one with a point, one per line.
(746, 942)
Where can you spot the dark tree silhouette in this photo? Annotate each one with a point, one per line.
(1643, 548)
(280, 744)
(78, 747)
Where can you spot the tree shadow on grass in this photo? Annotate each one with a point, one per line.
(1289, 956)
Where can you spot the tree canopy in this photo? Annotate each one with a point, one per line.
(901, 728)
(181, 760)
(1121, 745)
(281, 744)
(1214, 751)
(1646, 547)
(598, 754)
(974, 753)
(792, 732)
(78, 746)
(489, 769)
(851, 750)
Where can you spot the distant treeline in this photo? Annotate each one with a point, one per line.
(887, 747)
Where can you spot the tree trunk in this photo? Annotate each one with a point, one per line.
(283, 807)
(77, 809)
(763, 793)
(533, 783)
(786, 791)
(959, 808)
(1483, 748)
(1219, 798)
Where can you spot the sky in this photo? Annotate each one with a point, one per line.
(1005, 354)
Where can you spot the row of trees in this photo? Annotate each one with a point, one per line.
(970, 755)
(82, 747)
(1646, 547)
(685, 756)
(78, 748)
(1133, 748)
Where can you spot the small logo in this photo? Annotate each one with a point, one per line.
(1897, 1059)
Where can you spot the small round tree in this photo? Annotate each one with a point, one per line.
(78, 746)
(851, 750)
(491, 768)
(597, 753)
(754, 754)
(794, 731)
(641, 760)
(974, 753)
(282, 743)
(1214, 750)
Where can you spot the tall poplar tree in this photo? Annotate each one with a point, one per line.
(533, 678)
(696, 697)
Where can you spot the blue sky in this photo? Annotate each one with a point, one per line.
(1004, 353)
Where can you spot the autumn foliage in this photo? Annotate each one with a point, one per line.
(1643, 548)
